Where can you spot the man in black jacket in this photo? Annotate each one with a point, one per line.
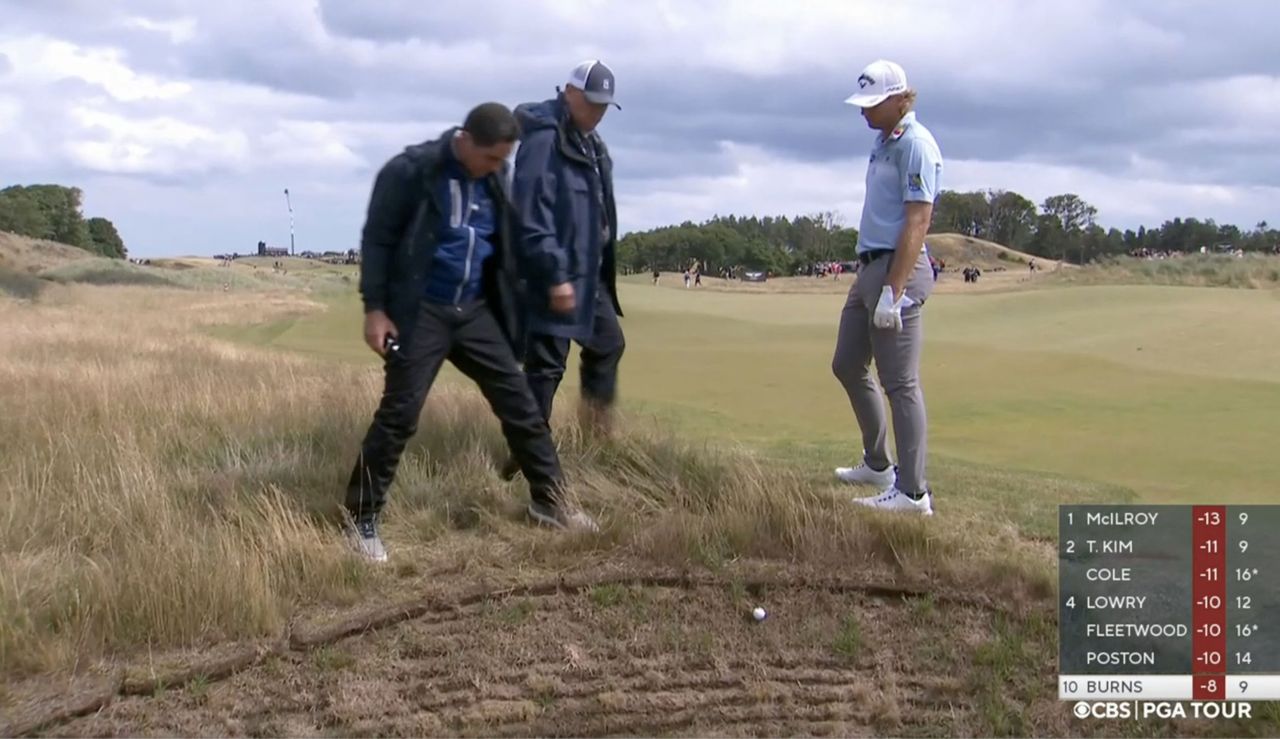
(439, 281)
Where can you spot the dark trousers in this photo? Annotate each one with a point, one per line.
(469, 337)
(545, 361)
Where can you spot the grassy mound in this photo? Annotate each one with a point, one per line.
(20, 284)
(24, 254)
(1214, 270)
(959, 251)
(197, 276)
(102, 271)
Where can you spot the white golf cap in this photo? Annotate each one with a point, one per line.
(879, 80)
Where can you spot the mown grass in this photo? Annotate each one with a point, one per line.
(1162, 391)
(160, 488)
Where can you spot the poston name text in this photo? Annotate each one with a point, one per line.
(1119, 658)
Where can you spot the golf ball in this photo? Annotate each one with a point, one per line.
(758, 613)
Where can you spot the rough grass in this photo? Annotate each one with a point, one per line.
(204, 277)
(19, 284)
(103, 271)
(161, 488)
(959, 251)
(1252, 272)
(25, 254)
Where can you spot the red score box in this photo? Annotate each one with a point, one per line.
(1209, 688)
(1209, 597)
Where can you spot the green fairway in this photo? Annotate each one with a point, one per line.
(1170, 392)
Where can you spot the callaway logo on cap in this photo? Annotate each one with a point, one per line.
(596, 82)
(877, 82)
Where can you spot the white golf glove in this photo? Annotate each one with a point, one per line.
(888, 311)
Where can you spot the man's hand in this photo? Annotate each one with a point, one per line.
(377, 327)
(562, 300)
(889, 311)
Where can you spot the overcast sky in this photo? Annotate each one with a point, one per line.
(184, 121)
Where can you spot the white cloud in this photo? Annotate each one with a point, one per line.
(178, 31)
(759, 183)
(41, 61)
(125, 122)
(309, 144)
(1122, 201)
(10, 108)
(161, 145)
(1147, 109)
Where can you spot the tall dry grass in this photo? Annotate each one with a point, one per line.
(1255, 271)
(159, 488)
(146, 476)
(96, 270)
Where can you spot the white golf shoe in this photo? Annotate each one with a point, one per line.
(864, 475)
(894, 499)
(363, 536)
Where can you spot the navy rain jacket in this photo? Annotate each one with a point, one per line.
(563, 201)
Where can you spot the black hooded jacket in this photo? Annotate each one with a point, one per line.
(398, 241)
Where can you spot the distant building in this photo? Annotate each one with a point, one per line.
(271, 251)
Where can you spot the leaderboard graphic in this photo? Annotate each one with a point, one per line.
(1169, 602)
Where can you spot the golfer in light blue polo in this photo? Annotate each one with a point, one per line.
(882, 318)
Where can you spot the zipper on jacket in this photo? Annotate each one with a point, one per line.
(471, 242)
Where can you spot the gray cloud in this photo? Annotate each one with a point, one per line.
(1094, 107)
(1115, 99)
(277, 67)
(1145, 89)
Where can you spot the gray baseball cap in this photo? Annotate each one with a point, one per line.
(596, 82)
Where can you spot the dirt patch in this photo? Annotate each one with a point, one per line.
(661, 654)
(609, 659)
(50, 700)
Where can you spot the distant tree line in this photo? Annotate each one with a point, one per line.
(1062, 227)
(778, 244)
(52, 212)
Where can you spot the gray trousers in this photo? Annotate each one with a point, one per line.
(897, 359)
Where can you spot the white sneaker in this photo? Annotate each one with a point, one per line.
(363, 535)
(894, 499)
(864, 475)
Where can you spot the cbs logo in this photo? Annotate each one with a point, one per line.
(1102, 709)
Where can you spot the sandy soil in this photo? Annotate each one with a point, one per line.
(603, 661)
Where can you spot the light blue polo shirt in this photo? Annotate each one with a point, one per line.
(905, 167)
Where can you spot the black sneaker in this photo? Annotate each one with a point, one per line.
(562, 517)
(364, 538)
